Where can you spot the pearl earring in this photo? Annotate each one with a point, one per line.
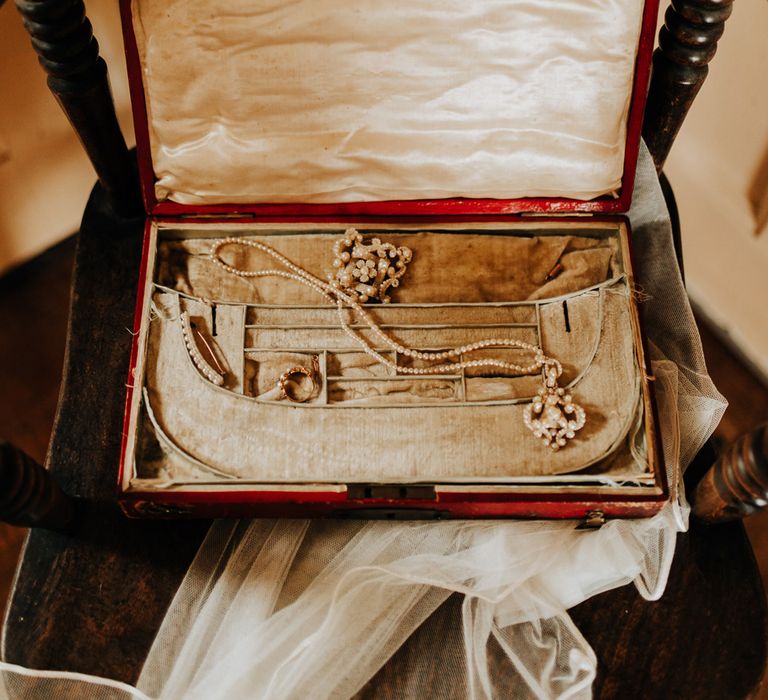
(552, 415)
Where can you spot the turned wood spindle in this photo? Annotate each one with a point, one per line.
(28, 494)
(77, 76)
(687, 43)
(737, 484)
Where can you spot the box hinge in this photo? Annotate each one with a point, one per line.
(391, 492)
(556, 214)
(223, 215)
(593, 520)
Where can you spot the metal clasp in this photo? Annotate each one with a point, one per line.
(593, 520)
(392, 492)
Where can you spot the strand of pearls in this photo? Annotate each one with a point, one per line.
(197, 358)
(334, 294)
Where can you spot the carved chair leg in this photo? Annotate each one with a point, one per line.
(28, 494)
(737, 484)
(687, 43)
(77, 76)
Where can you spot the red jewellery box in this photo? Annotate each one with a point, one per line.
(386, 271)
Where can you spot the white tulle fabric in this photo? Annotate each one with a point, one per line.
(333, 101)
(285, 609)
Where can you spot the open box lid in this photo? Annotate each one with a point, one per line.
(408, 107)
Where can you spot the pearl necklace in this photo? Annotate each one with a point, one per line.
(552, 416)
(336, 295)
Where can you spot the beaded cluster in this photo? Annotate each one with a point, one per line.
(344, 293)
(552, 415)
(367, 270)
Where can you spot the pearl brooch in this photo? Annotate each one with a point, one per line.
(198, 360)
(552, 416)
(367, 270)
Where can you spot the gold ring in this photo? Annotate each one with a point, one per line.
(285, 382)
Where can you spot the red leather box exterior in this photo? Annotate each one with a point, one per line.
(389, 501)
(385, 501)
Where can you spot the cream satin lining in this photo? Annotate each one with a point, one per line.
(330, 101)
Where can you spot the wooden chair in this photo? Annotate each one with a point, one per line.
(93, 586)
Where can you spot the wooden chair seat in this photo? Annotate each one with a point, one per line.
(92, 599)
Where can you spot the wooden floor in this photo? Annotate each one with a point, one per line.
(33, 315)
